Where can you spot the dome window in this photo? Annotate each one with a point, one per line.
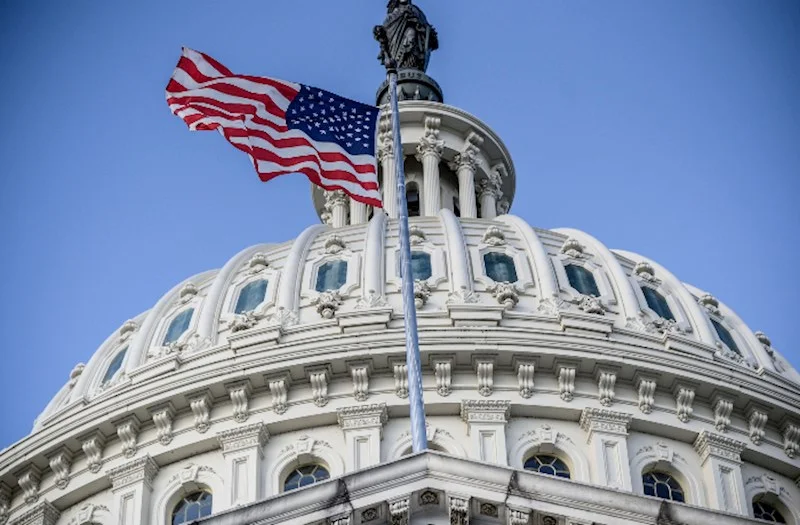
(178, 326)
(662, 485)
(547, 464)
(114, 366)
(192, 507)
(412, 199)
(764, 511)
(304, 476)
(331, 276)
(725, 336)
(251, 296)
(657, 303)
(582, 280)
(420, 266)
(500, 267)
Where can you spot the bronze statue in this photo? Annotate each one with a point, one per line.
(406, 37)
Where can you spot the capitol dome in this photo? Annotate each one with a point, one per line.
(564, 382)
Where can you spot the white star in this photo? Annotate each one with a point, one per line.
(340, 105)
(322, 131)
(349, 144)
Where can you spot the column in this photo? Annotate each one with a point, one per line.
(243, 452)
(336, 204)
(465, 166)
(358, 212)
(429, 153)
(132, 486)
(722, 470)
(486, 426)
(363, 430)
(490, 192)
(386, 158)
(608, 440)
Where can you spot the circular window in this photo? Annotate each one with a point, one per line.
(764, 511)
(305, 475)
(194, 506)
(547, 464)
(662, 485)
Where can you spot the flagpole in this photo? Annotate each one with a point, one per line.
(419, 439)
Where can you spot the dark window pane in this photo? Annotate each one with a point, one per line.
(331, 276)
(412, 200)
(662, 485)
(657, 303)
(251, 296)
(420, 265)
(456, 207)
(725, 336)
(500, 267)
(764, 511)
(178, 326)
(114, 366)
(582, 280)
(304, 476)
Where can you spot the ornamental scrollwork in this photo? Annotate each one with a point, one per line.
(422, 293)
(573, 249)
(589, 304)
(327, 303)
(505, 293)
(494, 236)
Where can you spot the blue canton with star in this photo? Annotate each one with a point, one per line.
(326, 117)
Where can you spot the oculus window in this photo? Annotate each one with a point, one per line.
(662, 485)
(726, 337)
(331, 276)
(657, 303)
(178, 326)
(547, 464)
(500, 267)
(582, 280)
(251, 296)
(114, 366)
(192, 507)
(304, 476)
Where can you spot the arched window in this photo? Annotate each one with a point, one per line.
(305, 475)
(657, 303)
(547, 464)
(500, 267)
(114, 366)
(726, 337)
(412, 199)
(582, 280)
(251, 296)
(331, 276)
(765, 511)
(178, 326)
(421, 266)
(192, 507)
(662, 485)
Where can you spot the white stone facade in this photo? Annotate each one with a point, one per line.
(238, 400)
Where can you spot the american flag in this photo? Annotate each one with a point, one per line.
(284, 127)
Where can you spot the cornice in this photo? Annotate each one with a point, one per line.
(250, 436)
(139, 470)
(709, 444)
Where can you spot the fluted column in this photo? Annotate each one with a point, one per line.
(358, 212)
(336, 204)
(386, 158)
(429, 153)
(490, 192)
(465, 164)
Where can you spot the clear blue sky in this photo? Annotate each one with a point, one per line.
(669, 128)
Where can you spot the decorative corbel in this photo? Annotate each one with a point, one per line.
(201, 404)
(163, 416)
(240, 393)
(128, 433)
(279, 388)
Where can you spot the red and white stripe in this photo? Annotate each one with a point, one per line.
(250, 112)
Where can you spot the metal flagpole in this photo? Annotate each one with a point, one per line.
(419, 439)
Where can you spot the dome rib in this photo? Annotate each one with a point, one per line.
(543, 269)
(461, 278)
(374, 258)
(289, 291)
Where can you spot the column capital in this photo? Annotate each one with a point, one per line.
(250, 436)
(140, 470)
(605, 421)
(42, 514)
(709, 444)
(362, 416)
(485, 410)
(489, 187)
(336, 197)
(466, 160)
(430, 144)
